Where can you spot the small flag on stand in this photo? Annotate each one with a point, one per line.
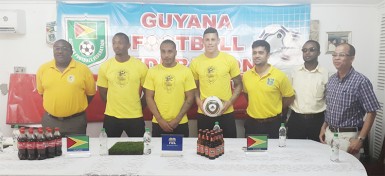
(78, 143)
(256, 142)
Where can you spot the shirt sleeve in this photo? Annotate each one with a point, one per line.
(90, 82)
(144, 74)
(234, 67)
(367, 97)
(286, 88)
(190, 83)
(39, 84)
(102, 77)
(193, 70)
(149, 83)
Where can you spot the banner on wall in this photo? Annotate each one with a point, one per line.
(90, 26)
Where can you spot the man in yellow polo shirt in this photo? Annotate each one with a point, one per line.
(268, 91)
(119, 84)
(170, 90)
(213, 72)
(67, 87)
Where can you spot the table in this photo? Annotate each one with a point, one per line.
(299, 157)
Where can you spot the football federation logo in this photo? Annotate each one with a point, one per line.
(212, 106)
(88, 38)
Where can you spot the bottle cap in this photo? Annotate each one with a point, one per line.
(282, 124)
(103, 130)
(16, 126)
(147, 129)
(335, 134)
(216, 123)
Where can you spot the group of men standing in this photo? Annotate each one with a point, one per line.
(318, 104)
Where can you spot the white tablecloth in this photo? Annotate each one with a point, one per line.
(299, 157)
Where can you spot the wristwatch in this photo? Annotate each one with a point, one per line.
(361, 139)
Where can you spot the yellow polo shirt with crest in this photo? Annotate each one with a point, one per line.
(169, 85)
(65, 93)
(214, 75)
(265, 93)
(123, 81)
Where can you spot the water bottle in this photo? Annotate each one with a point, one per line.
(15, 135)
(147, 142)
(216, 127)
(335, 145)
(282, 135)
(103, 150)
(1, 142)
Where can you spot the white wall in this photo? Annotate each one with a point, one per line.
(363, 21)
(30, 50)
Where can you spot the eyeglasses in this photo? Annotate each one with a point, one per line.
(309, 49)
(340, 55)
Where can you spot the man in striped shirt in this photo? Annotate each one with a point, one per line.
(351, 103)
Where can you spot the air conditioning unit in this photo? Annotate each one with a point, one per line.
(12, 22)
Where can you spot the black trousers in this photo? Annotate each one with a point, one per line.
(226, 122)
(180, 129)
(115, 126)
(304, 126)
(269, 127)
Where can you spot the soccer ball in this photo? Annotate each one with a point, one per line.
(212, 106)
(87, 48)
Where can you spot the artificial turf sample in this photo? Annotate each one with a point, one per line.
(126, 148)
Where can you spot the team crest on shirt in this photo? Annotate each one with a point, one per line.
(71, 78)
(122, 77)
(270, 81)
(169, 82)
(211, 74)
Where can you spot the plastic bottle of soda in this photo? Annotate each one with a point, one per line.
(41, 145)
(58, 143)
(50, 143)
(31, 144)
(22, 144)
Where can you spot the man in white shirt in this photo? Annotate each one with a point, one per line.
(309, 83)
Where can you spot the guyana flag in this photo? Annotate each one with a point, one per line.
(78, 143)
(257, 142)
(85, 30)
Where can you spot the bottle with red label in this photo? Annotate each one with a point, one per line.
(31, 145)
(51, 143)
(41, 145)
(58, 142)
(212, 150)
(199, 141)
(22, 144)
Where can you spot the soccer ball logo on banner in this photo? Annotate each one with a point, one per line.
(87, 48)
